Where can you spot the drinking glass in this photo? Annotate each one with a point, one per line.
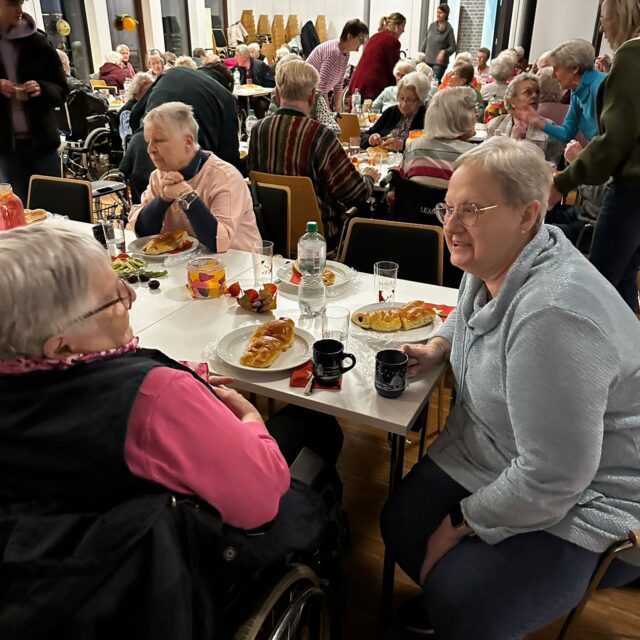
(335, 324)
(354, 146)
(385, 279)
(114, 236)
(262, 255)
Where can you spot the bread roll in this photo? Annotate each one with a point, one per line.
(386, 320)
(414, 315)
(34, 215)
(165, 242)
(267, 342)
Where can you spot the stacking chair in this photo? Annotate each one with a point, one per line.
(292, 29)
(304, 204)
(96, 84)
(631, 542)
(67, 197)
(249, 23)
(349, 126)
(275, 205)
(264, 29)
(277, 31)
(321, 27)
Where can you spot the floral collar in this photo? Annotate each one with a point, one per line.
(26, 364)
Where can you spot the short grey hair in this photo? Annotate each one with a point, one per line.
(512, 87)
(282, 51)
(407, 63)
(425, 70)
(463, 56)
(518, 166)
(287, 57)
(502, 68)
(45, 284)
(418, 83)
(64, 59)
(254, 46)
(296, 79)
(122, 46)
(113, 57)
(243, 50)
(550, 89)
(186, 61)
(175, 115)
(451, 114)
(419, 57)
(138, 81)
(575, 54)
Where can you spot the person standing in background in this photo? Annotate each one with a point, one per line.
(32, 87)
(374, 72)
(330, 59)
(440, 42)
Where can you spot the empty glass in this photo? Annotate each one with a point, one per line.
(335, 324)
(262, 255)
(114, 236)
(385, 279)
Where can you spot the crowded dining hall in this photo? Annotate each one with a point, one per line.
(320, 325)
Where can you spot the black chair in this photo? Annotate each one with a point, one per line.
(416, 248)
(67, 197)
(272, 206)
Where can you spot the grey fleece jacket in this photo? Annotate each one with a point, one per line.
(545, 432)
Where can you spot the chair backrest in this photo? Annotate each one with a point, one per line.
(268, 50)
(349, 126)
(61, 195)
(417, 249)
(277, 31)
(97, 83)
(264, 28)
(304, 204)
(292, 29)
(275, 202)
(321, 27)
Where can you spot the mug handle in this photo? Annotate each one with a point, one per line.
(344, 369)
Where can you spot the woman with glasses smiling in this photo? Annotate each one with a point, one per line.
(537, 471)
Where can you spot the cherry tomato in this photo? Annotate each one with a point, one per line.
(234, 289)
(271, 288)
(252, 294)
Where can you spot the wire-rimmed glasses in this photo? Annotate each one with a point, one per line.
(467, 212)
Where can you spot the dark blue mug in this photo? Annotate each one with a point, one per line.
(391, 373)
(328, 356)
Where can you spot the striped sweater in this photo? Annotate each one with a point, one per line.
(291, 144)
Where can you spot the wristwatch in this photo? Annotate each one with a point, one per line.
(186, 200)
(457, 519)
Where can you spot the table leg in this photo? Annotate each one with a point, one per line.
(388, 569)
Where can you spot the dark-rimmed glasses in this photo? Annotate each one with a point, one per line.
(467, 213)
(125, 296)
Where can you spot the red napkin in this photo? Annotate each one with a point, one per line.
(187, 245)
(443, 310)
(300, 377)
(295, 277)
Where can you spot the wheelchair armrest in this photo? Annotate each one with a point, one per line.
(307, 467)
(392, 178)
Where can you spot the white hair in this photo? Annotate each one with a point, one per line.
(296, 80)
(186, 61)
(243, 50)
(464, 56)
(518, 166)
(543, 57)
(425, 70)
(502, 67)
(141, 79)
(550, 89)
(122, 46)
(45, 285)
(404, 64)
(574, 54)
(176, 115)
(113, 57)
(417, 82)
(254, 46)
(519, 50)
(64, 59)
(282, 51)
(512, 87)
(451, 114)
(419, 57)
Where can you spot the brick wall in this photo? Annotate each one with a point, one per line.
(470, 30)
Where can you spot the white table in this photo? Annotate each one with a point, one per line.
(252, 92)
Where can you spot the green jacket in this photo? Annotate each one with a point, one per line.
(615, 151)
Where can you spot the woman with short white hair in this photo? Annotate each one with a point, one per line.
(186, 61)
(155, 63)
(536, 473)
(449, 123)
(392, 128)
(191, 189)
(137, 88)
(502, 69)
(112, 71)
(389, 96)
(573, 67)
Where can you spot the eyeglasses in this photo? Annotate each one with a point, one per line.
(125, 296)
(408, 100)
(467, 213)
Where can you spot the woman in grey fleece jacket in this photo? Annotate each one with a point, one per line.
(538, 470)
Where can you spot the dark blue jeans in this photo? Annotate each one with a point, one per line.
(615, 251)
(17, 168)
(482, 591)
(438, 71)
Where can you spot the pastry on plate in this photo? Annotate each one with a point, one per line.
(377, 152)
(328, 276)
(386, 320)
(165, 242)
(362, 319)
(267, 342)
(34, 215)
(414, 315)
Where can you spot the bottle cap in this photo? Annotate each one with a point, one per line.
(251, 113)
(312, 227)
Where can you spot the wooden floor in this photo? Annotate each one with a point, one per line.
(364, 468)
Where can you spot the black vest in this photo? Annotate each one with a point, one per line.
(62, 432)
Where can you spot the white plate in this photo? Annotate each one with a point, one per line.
(135, 248)
(413, 335)
(344, 278)
(232, 346)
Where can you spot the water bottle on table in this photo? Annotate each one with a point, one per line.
(356, 102)
(236, 77)
(249, 122)
(312, 259)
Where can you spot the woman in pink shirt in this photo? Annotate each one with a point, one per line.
(89, 418)
(192, 189)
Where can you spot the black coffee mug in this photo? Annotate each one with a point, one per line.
(328, 356)
(391, 373)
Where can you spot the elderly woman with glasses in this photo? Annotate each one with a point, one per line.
(523, 93)
(392, 128)
(536, 474)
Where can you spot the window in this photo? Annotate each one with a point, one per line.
(175, 24)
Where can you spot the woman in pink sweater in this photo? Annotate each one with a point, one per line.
(192, 189)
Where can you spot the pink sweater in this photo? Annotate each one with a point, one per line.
(223, 189)
(182, 437)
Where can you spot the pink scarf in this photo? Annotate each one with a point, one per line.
(26, 364)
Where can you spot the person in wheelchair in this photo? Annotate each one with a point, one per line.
(93, 423)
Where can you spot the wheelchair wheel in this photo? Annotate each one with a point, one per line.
(291, 606)
(98, 152)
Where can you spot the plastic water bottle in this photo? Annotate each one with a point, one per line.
(312, 259)
(249, 122)
(356, 102)
(236, 77)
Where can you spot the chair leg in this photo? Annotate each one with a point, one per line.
(441, 402)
